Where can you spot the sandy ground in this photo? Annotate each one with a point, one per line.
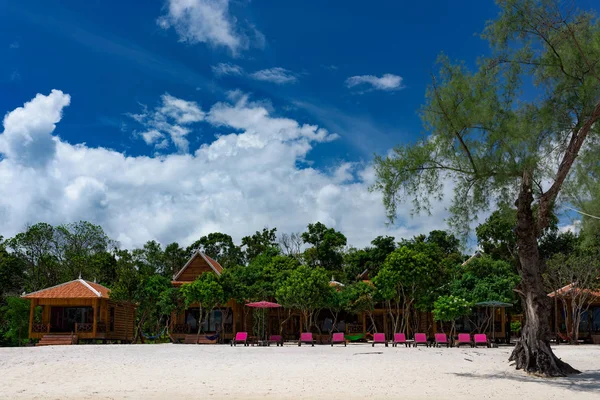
(357, 371)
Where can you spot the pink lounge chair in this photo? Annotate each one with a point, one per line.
(338, 338)
(399, 338)
(464, 338)
(277, 339)
(441, 339)
(421, 338)
(379, 338)
(240, 337)
(306, 337)
(481, 340)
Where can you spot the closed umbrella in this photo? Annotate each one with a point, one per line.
(493, 304)
(263, 304)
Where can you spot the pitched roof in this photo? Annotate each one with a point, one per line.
(570, 288)
(212, 263)
(75, 289)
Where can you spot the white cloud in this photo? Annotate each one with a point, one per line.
(222, 69)
(27, 137)
(255, 176)
(172, 118)
(276, 75)
(387, 82)
(210, 22)
(14, 45)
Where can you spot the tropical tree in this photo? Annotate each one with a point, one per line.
(306, 290)
(405, 277)
(259, 242)
(361, 298)
(327, 245)
(15, 314)
(449, 309)
(496, 146)
(206, 292)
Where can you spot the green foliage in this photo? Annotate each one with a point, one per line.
(306, 289)
(450, 308)
(485, 279)
(14, 321)
(327, 247)
(360, 297)
(515, 327)
(259, 242)
(206, 291)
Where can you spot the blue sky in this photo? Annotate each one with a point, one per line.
(162, 79)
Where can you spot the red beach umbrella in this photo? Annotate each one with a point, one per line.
(263, 304)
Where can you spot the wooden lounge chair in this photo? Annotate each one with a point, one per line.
(421, 338)
(399, 338)
(277, 339)
(379, 338)
(441, 339)
(306, 337)
(481, 340)
(240, 337)
(464, 338)
(338, 338)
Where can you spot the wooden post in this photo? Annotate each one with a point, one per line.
(31, 313)
(364, 322)
(95, 317)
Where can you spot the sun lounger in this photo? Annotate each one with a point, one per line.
(338, 338)
(379, 338)
(464, 339)
(240, 337)
(306, 337)
(421, 338)
(481, 340)
(277, 339)
(441, 340)
(399, 338)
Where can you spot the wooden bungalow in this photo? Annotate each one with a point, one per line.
(81, 309)
(589, 325)
(219, 320)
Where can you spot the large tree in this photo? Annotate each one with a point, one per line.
(509, 131)
(327, 245)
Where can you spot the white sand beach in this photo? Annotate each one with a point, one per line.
(357, 371)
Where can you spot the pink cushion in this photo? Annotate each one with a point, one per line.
(480, 338)
(441, 338)
(338, 337)
(379, 337)
(420, 338)
(399, 337)
(306, 337)
(464, 338)
(241, 336)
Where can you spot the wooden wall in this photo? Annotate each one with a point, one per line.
(124, 324)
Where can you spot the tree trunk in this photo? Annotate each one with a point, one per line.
(533, 353)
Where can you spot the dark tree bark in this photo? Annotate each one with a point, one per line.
(533, 353)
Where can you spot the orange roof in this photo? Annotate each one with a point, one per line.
(214, 263)
(566, 290)
(76, 289)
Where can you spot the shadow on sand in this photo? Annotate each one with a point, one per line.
(586, 382)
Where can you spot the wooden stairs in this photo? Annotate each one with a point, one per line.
(57, 340)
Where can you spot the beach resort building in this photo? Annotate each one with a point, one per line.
(79, 310)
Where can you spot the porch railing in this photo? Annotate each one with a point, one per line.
(84, 327)
(181, 328)
(40, 328)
